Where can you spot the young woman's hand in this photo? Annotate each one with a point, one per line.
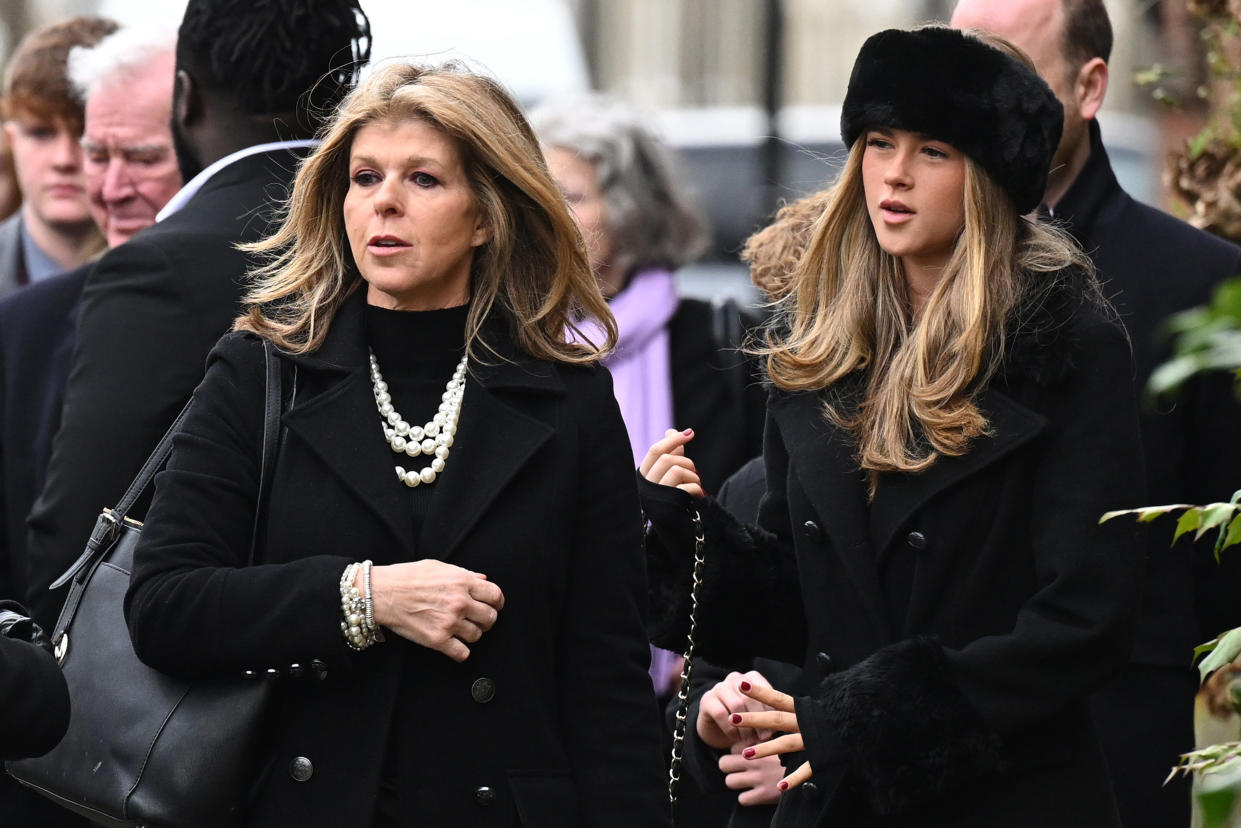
(757, 779)
(667, 465)
(435, 604)
(781, 717)
(717, 706)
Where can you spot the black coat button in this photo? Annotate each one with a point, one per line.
(484, 795)
(301, 769)
(916, 540)
(825, 662)
(811, 791)
(318, 669)
(483, 690)
(296, 671)
(812, 530)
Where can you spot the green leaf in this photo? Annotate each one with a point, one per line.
(1145, 514)
(1172, 374)
(1213, 515)
(1232, 537)
(1188, 522)
(1218, 793)
(1206, 647)
(1148, 513)
(1225, 652)
(1197, 144)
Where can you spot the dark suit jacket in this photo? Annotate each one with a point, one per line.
(36, 342)
(538, 495)
(150, 313)
(1153, 265)
(964, 614)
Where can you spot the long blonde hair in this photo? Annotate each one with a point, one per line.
(845, 310)
(533, 271)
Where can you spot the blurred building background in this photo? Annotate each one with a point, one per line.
(747, 90)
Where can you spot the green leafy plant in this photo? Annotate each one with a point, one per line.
(1222, 518)
(1205, 339)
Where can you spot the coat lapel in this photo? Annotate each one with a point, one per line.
(340, 425)
(494, 441)
(334, 414)
(822, 457)
(901, 495)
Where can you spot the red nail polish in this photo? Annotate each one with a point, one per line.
(745, 687)
(748, 753)
(689, 432)
(736, 718)
(782, 785)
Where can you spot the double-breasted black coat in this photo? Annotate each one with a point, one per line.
(551, 721)
(952, 628)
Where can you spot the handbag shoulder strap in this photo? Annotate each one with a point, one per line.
(105, 529)
(271, 439)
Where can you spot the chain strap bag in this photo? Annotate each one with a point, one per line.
(145, 748)
(687, 669)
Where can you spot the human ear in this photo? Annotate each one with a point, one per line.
(482, 232)
(185, 103)
(1090, 87)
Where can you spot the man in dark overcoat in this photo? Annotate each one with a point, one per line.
(153, 307)
(1152, 265)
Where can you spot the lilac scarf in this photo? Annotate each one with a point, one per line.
(641, 375)
(642, 380)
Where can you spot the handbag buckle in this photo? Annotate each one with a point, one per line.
(60, 648)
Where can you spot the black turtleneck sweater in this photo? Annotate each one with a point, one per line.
(417, 352)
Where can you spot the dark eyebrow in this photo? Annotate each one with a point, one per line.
(412, 161)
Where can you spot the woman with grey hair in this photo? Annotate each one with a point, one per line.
(677, 360)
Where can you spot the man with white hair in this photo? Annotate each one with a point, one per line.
(131, 168)
(131, 172)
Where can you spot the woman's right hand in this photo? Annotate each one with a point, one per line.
(667, 464)
(435, 604)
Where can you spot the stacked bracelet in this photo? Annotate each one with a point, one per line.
(357, 608)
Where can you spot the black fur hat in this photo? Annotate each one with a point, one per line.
(953, 87)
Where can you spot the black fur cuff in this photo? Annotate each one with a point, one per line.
(908, 732)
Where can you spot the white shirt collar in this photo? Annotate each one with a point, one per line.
(196, 183)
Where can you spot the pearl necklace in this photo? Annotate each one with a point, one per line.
(433, 438)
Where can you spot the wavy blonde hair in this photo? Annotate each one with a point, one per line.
(844, 309)
(532, 272)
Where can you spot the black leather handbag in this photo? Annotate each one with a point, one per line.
(144, 748)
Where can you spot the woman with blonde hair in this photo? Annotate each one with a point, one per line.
(951, 413)
(449, 567)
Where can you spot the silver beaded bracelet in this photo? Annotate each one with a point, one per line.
(357, 608)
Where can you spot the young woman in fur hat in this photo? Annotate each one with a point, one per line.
(951, 411)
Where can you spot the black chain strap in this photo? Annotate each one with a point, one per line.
(687, 669)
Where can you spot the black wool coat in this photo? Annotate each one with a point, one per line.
(950, 630)
(551, 721)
